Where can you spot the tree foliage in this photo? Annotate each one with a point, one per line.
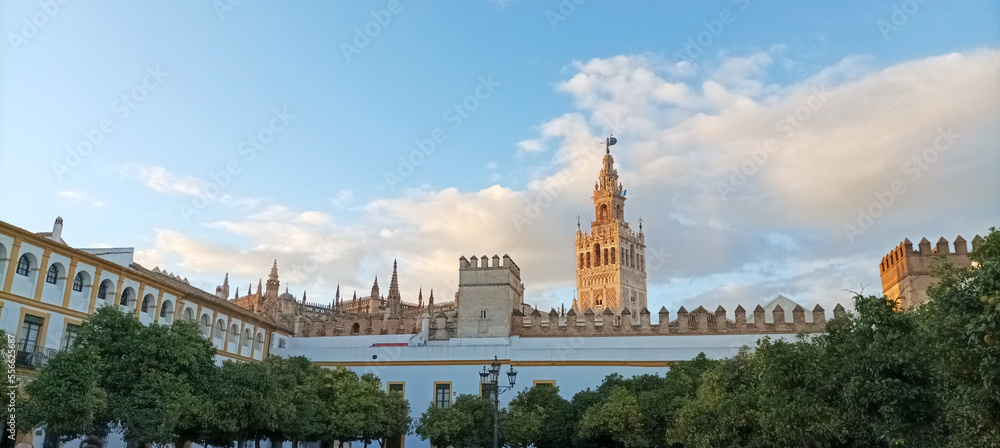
(159, 384)
(467, 423)
(538, 416)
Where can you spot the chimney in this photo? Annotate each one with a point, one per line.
(57, 229)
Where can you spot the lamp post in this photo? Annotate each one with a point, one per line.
(491, 376)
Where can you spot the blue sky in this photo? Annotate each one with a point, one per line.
(555, 77)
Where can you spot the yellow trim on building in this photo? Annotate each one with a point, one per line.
(68, 284)
(15, 256)
(473, 362)
(537, 382)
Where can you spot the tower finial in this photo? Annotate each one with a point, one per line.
(609, 142)
(577, 223)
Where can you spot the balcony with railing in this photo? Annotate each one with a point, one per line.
(30, 355)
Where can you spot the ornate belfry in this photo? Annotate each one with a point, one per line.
(610, 260)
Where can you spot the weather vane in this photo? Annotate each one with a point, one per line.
(577, 222)
(640, 224)
(609, 142)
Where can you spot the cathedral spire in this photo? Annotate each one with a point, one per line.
(420, 298)
(259, 283)
(374, 295)
(394, 299)
(272, 281)
(336, 298)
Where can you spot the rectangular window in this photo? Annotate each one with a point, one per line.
(396, 387)
(70, 335)
(30, 330)
(442, 394)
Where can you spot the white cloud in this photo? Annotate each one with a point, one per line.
(80, 196)
(680, 137)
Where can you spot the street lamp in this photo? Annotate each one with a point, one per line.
(491, 377)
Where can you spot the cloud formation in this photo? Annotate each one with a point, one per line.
(746, 186)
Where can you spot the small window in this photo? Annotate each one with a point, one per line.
(102, 291)
(442, 394)
(536, 383)
(482, 314)
(188, 314)
(78, 282)
(397, 388)
(281, 343)
(52, 275)
(23, 265)
(124, 299)
(145, 303)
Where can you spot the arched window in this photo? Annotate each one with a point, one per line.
(220, 329)
(125, 297)
(167, 311)
(146, 302)
(259, 343)
(612, 255)
(53, 274)
(206, 326)
(102, 291)
(23, 265)
(234, 334)
(604, 212)
(581, 260)
(78, 282)
(356, 328)
(188, 314)
(246, 338)
(605, 256)
(598, 300)
(588, 259)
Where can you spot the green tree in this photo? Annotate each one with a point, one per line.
(616, 421)
(882, 368)
(468, 423)
(795, 397)
(150, 377)
(961, 322)
(538, 416)
(724, 411)
(66, 397)
(245, 399)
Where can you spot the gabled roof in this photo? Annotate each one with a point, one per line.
(787, 305)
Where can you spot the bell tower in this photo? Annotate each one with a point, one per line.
(610, 260)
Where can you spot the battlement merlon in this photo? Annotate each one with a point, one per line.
(483, 262)
(697, 322)
(899, 255)
(906, 273)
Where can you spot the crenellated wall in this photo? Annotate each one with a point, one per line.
(487, 294)
(907, 273)
(699, 321)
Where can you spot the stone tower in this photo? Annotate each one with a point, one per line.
(487, 296)
(907, 273)
(610, 261)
